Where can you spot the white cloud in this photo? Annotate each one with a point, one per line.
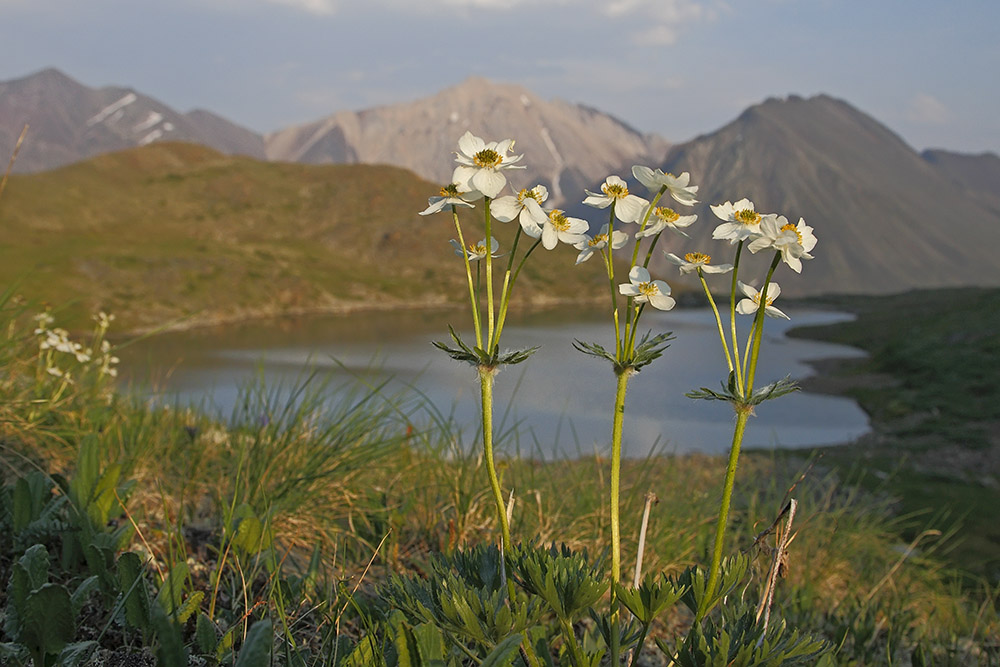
(319, 7)
(928, 110)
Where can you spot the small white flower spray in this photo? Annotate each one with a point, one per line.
(631, 356)
(743, 227)
(479, 177)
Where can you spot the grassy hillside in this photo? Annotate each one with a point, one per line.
(930, 387)
(174, 232)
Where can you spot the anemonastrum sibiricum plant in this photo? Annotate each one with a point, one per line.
(743, 226)
(641, 290)
(480, 178)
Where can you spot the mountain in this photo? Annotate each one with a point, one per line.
(887, 219)
(567, 147)
(172, 231)
(71, 122)
(977, 175)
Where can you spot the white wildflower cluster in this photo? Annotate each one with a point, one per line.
(61, 357)
(652, 220)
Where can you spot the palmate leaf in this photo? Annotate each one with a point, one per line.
(477, 356)
(731, 392)
(648, 350)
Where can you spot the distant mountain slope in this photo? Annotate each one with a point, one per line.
(173, 230)
(887, 219)
(71, 122)
(567, 147)
(979, 175)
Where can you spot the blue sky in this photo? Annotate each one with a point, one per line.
(928, 70)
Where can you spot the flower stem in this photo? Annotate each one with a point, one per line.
(751, 371)
(732, 314)
(742, 415)
(468, 273)
(718, 319)
(616, 548)
(508, 286)
(486, 375)
(489, 276)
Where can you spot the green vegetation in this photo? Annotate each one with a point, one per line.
(307, 528)
(931, 388)
(179, 233)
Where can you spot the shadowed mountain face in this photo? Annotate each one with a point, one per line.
(70, 122)
(566, 146)
(977, 175)
(887, 219)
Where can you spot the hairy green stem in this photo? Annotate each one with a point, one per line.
(742, 415)
(486, 375)
(616, 463)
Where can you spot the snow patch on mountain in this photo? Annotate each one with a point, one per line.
(103, 114)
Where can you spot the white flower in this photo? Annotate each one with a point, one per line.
(559, 227)
(695, 260)
(450, 196)
(480, 164)
(104, 320)
(476, 251)
(43, 320)
(588, 246)
(793, 241)
(526, 207)
(628, 208)
(642, 288)
(662, 218)
(740, 221)
(677, 186)
(751, 304)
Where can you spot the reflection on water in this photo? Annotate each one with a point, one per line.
(560, 400)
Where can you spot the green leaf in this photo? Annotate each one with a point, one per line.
(35, 562)
(23, 509)
(171, 592)
(171, 651)
(76, 653)
(504, 653)
(87, 587)
(48, 623)
(133, 588)
(191, 604)
(256, 650)
(205, 636)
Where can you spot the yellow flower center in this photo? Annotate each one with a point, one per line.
(756, 300)
(615, 190)
(667, 214)
(648, 289)
(450, 190)
(791, 228)
(598, 240)
(477, 249)
(747, 217)
(528, 194)
(559, 220)
(697, 258)
(487, 158)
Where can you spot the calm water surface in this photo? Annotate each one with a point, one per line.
(559, 402)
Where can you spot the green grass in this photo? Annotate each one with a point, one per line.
(173, 232)
(931, 385)
(359, 476)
